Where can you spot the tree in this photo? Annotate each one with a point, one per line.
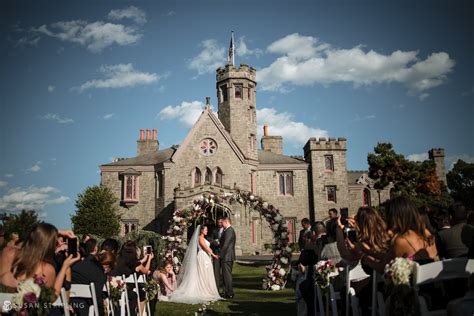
(461, 183)
(417, 180)
(96, 213)
(21, 223)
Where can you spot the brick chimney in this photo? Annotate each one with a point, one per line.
(273, 144)
(148, 145)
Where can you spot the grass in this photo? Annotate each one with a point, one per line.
(249, 298)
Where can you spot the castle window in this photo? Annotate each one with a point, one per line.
(218, 177)
(208, 147)
(285, 180)
(238, 91)
(249, 93)
(329, 162)
(291, 223)
(160, 184)
(366, 201)
(331, 193)
(196, 177)
(130, 186)
(224, 93)
(129, 225)
(208, 176)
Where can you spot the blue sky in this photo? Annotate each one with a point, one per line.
(79, 80)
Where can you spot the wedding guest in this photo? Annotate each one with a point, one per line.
(107, 260)
(411, 237)
(329, 250)
(167, 281)
(458, 239)
(111, 245)
(87, 271)
(305, 233)
(318, 238)
(305, 283)
(36, 258)
(332, 214)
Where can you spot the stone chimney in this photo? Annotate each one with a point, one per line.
(273, 144)
(437, 155)
(147, 145)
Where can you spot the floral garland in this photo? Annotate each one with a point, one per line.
(206, 207)
(324, 271)
(33, 297)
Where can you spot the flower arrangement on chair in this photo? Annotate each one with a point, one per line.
(33, 297)
(116, 287)
(402, 296)
(151, 288)
(324, 271)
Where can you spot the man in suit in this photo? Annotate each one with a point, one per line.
(214, 239)
(227, 256)
(458, 240)
(305, 233)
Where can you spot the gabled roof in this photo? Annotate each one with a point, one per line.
(267, 157)
(146, 160)
(208, 112)
(353, 176)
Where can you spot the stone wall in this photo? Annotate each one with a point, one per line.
(273, 144)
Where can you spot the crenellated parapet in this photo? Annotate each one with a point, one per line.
(325, 144)
(232, 72)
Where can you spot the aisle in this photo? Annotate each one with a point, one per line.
(249, 298)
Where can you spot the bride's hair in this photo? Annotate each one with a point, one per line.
(202, 228)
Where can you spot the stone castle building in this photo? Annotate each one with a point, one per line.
(220, 154)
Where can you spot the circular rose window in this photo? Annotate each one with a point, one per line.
(208, 147)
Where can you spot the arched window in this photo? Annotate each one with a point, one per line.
(366, 199)
(218, 177)
(208, 177)
(196, 177)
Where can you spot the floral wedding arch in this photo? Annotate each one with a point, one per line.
(208, 206)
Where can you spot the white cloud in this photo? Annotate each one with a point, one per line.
(95, 36)
(51, 88)
(209, 59)
(9, 175)
(186, 113)
(363, 118)
(119, 76)
(3, 183)
(243, 50)
(306, 61)
(108, 116)
(36, 167)
(451, 160)
(57, 118)
(170, 13)
(132, 12)
(418, 157)
(30, 198)
(283, 124)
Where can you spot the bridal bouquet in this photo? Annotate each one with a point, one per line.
(324, 271)
(402, 299)
(33, 297)
(116, 287)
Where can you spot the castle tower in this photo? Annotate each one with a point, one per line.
(236, 95)
(327, 175)
(437, 155)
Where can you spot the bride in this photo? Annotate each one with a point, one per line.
(196, 282)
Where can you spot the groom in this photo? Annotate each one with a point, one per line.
(227, 256)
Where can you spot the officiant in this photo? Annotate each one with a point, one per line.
(214, 238)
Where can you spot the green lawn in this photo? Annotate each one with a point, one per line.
(249, 298)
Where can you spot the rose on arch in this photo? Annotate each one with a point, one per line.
(174, 250)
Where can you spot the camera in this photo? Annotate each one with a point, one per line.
(147, 250)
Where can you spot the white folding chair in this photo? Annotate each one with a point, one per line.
(6, 304)
(62, 302)
(355, 273)
(456, 268)
(333, 297)
(84, 291)
(142, 279)
(128, 280)
(318, 301)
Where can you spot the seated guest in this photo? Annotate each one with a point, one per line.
(167, 281)
(86, 271)
(318, 239)
(457, 240)
(107, 260)
(36, 258)
(465, 304)
(110, 245)
(411, 238)
(128, 264)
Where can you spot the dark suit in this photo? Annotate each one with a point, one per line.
(216, 249)
(301, 240)
(227, 258)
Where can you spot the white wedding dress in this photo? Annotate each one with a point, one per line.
(196, 282)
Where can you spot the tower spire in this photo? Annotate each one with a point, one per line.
(230, 57)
